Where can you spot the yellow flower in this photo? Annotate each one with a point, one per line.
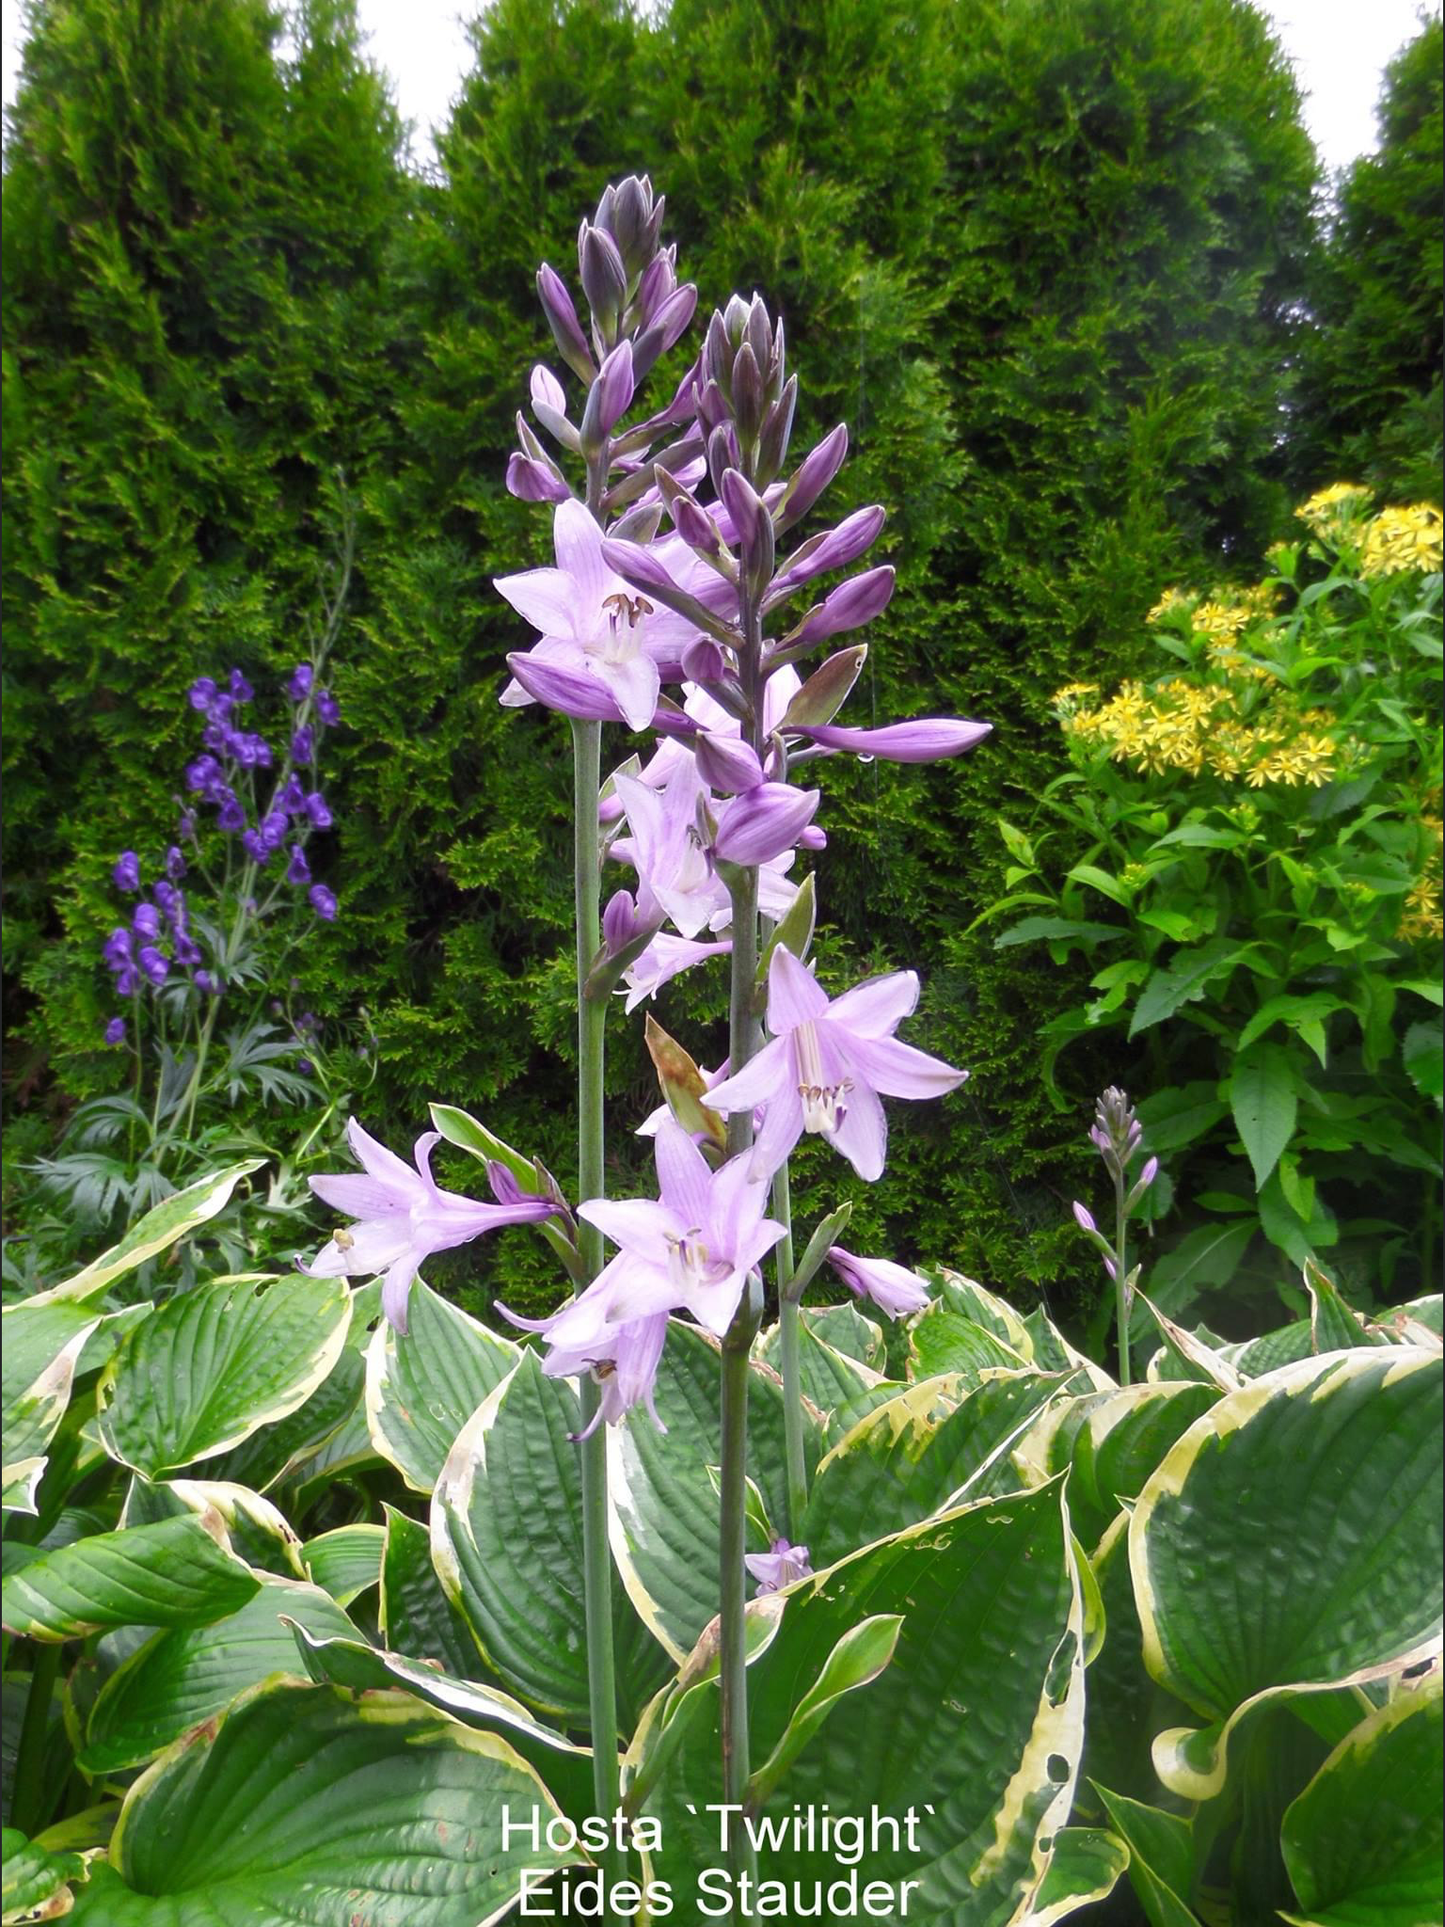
(1221, 620)
(1171, 600)
(1330, 509)
(1403, 538)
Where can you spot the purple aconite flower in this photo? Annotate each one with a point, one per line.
(318, 811)
(303, 746)
(298, 870)
(322, 902)
(892, 1288)
(403, 1216)
(202, 692)
(126, 874)
(828, 1064)
(292, 796)
(257, 848)
(115, 1031)
(241, 690)
(328, 710)
(175, 863)
(154, 964)
(146, 921)
(298, 688)
(779, 1566)
(230, 816)
(117, 948)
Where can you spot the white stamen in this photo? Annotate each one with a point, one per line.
(824, 1108)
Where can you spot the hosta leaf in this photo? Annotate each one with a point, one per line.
(565, 1767)
(830, 1380)
(847, 1330)
(42, 1344)
(951, 1335)
(1321, 1482)
(664, 1502)
(1333, 1326)
(1363, 1842)
(977, 1722)
(1113, 1441)
(303, 1803)
(346, 1561)
(174, 1573)
(215, 1364)
(1161, 1857)
(422, 1389)
(171, 1219)
(35, 1884)
(258, 1532)
(184, 1676)
(857, 1660)
(925, 1448)
(1085, 1865)
(416, 1617)
(276, 1451)
(506, 1528)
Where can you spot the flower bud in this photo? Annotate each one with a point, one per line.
(703, 661)
(928, 740)
(777, 428)
(665, 329)
(562, 320)
(640, 524)
(753, 526)
(1085, 1217)
(533, 481)
(762, 823)
(659, 280)
(831, 549)
(608, 399)
(604, 278)
(813, 475)
(747, 395)
(857, 601)
(726, 763)
(549, 405)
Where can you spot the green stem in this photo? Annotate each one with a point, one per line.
(591, 1021)
(29, 1808)
(789, 1340)
(1121, 1274)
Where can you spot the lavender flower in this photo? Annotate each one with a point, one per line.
(298, 688)
(779, 1567)
(322, 902)
(403, 1216)
(892, 1288)
(827, 1065)
(328, 710)
(298, 870)
(126, 874)
(303, 746)
(115, 1031)
(316, 810)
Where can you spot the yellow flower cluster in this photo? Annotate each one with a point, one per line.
(1330, 509)
(1215, 726)
(1421, 919)
(1404, 538)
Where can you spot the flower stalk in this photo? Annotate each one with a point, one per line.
(789, 1348)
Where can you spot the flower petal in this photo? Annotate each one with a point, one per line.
(683, 1176)
(877, 1006)
(358, 1197)
(636, 686)
(383, 1165)
(396, 1289)
(862, 1134)
(637, 1225)
(782, 1127)
(794, 993)
(545, 597)
(898, 1070)
(756, 1082)
(578, 542)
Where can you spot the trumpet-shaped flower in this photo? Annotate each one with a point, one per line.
(601, 641)
(779, 1566)
(827, 1066)
(403, 1216)
(893, 1288)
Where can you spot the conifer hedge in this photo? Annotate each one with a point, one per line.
(1049, 258)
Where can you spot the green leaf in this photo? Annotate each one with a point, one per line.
(1100, 880)
(846, 1329)
(1161, 1857)
(979, 1716)
(506, 1524)
(1113, 1442)
(347, 1661)
(42, 1344)
(422, 1389)
(303, 1795)
(416, 1617)
(257, 1530)
(1179, 1115)
(1072, 929)
(664, 1504)
(960, 1331)
(932, 1445)
(1184, 980)
(216, 1364)
(1321, 1481)
(1333, 1326)
(1424, 1060)
(1281, 1224)
(1263, 1099)
(857, 1660)
(1084, 1865)
(831, 1382)
(1363, 1841)
(1207, 1256)
(189, 1674)
(160, 1228)
(32, 1877)
(346, 1561)
(826, 1233)
(174, 1573)
(275, 1451)
(1018, 845)
(1289, 1009)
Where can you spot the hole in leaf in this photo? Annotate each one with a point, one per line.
(1057, 1769)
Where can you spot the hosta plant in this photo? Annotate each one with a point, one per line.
(324, 1601)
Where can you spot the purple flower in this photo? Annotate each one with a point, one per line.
(230, 816)
(154, 964)
(257, 848)
(531, 480)
(146, 921)
(674, 877)
(298, 870)
(328, 710)
(241, 690)
(892, 1288)
(188, 951)
(127, 982)
(665, 958)
(292, 796)
(186, 826)
(403, 1216)
(205, 982)
(305, 1066)
(600, 638)
(827, 1065)
(779, 1567)
(623, 1360)
(204, 774)
(322, 902)
(115, 1031)
(202, 692)
(762, 823)
(1085, 1217)
(924, 741)
(126, 874)
(303, 746)
(316, 810)
(175, 863)
(850, 605)
(273, 828)
(299, 687)
(117, 951)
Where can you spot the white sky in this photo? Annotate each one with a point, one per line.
(1339, 46)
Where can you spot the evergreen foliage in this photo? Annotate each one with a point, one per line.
(1045, 259)
(1370, 402)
